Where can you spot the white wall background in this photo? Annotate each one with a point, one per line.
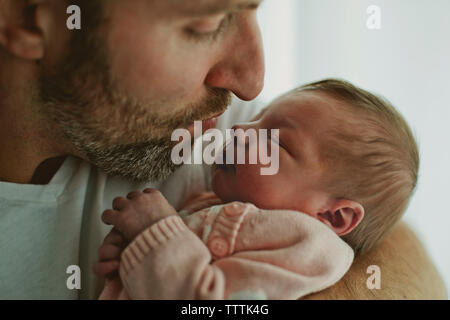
(407, 61)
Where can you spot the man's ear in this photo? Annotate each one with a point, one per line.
(343, 216)
(18, 33)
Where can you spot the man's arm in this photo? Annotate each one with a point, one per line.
(407, 272)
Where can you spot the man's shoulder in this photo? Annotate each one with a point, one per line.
(406, 271)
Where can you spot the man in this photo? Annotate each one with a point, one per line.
(86, 115)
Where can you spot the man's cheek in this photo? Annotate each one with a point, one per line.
(172, 83)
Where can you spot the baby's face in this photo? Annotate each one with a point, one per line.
(301, 119)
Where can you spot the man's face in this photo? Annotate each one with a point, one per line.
(145, 69)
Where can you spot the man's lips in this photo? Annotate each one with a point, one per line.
(207, 123)
(214, 117)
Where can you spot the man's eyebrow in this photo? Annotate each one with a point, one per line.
(211, 7)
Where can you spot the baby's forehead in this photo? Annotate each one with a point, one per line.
(305, 107)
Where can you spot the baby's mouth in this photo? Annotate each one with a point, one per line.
(224, 166)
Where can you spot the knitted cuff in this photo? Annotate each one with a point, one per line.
(153, 237)
(225, 229)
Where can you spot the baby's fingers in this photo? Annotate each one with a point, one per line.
(115, 237)
(123, 223)
(109, 252)
(110, 217)
(103, 269)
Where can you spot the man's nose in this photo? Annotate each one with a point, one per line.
(241, 68)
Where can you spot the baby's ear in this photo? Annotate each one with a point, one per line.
(343, 216)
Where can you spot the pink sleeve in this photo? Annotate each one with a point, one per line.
(235, 252)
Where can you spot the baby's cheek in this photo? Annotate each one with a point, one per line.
(254, 188)
(262, 198)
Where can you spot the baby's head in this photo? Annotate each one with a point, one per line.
(346, 157)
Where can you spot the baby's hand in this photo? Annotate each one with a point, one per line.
(109, 255)
(137, 212)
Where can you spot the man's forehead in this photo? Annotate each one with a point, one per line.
(205, 7)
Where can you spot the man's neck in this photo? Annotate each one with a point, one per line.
(21, 163)
(29, 152)
(46, 170)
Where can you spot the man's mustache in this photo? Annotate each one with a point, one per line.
(217, 102)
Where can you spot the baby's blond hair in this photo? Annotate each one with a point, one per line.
(372, 158)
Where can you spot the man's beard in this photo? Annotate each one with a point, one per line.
(115, 132)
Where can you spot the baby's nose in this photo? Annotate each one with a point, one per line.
(240, 134)
(239, 126)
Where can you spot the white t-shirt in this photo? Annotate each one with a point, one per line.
(45, 229)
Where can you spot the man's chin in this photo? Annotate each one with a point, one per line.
(141, 176)
(137, 163)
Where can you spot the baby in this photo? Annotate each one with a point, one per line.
(348, 165)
